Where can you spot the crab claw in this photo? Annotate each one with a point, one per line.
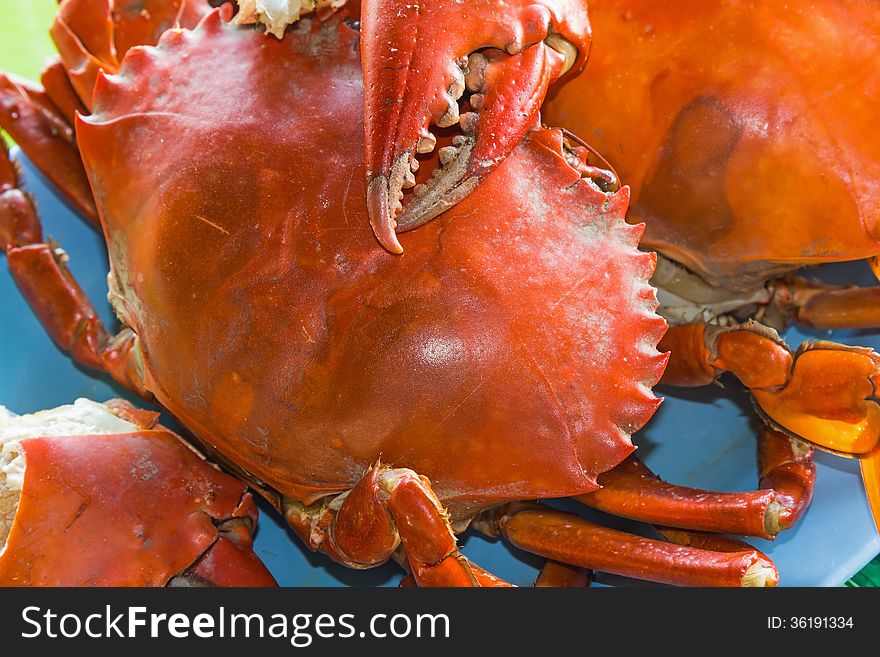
(829, 399)
(424, 63)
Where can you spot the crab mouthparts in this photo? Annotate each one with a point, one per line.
(449, 91)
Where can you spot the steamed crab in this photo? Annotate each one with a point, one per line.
(380, 402)
(749, 157)
(79, 487)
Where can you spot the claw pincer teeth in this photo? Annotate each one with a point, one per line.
(481, 66)
(456, 89)
(468, 122)
(476, 72)
(447, 154)
(426, 144)
(450, 116)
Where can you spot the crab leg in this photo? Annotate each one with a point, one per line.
(632, 491)
(386, 508)
(555, 574)
(822, 393)
(785, 465)
(787, 472)
(57, 85)
(484, 577)
(570, 539)
(850, 308)
(418, 61)
(830, 306)
(32, 120)
(54, 295)
(706, 541)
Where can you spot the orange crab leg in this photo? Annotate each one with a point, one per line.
(231, 560)
(54, 295)
(570, 539)
(57, 85)
(786, 466)
(822, 393)
(484, 577)
(828, 306)
(33, 121)
(69, 317)
(387, 508)
(17, 225)
(709, 541)
(632, 491)
(83, 35)
(555, 574)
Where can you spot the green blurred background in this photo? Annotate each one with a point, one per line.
(25, 45)
(24, 35)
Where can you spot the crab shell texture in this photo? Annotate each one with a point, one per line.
(102, 496)
(749, 154)
(94, 35)
(508, 354)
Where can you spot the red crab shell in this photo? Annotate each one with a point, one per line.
(94, 35)
(508, 354)
(140, 508)
(749, 153)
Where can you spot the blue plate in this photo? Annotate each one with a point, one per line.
(699, 438)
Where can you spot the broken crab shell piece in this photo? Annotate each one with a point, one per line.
(79, 486)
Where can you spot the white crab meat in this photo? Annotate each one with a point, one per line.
(276, 15)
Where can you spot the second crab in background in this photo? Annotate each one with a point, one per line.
(749, 140)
